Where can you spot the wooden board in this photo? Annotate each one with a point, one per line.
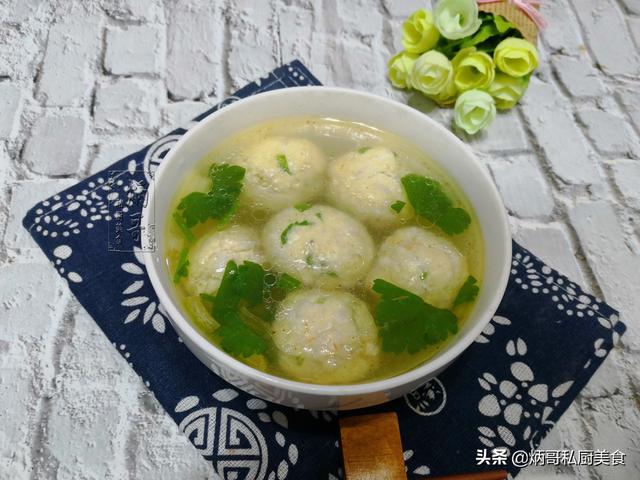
(371, 447)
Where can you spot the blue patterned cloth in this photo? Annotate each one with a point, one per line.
(507, 390)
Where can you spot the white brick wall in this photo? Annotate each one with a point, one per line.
(135, 49)
(117, 73)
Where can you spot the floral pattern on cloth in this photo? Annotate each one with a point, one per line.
(507, 389)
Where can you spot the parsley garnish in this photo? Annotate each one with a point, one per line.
(219, 203)
(282, 161)
(468, 292)
(301, 207)
(182, 269)
(237, 339)
(397, 206)
(205, 297)
(200, 314)
(406, 322)
(183, 227)
(244, 306)
(364, 149)
(431, 202)
(287, 283)
(285, 232)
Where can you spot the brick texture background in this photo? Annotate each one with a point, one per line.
(84, 82)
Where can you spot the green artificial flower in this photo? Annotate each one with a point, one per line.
(400, 66)
(472, 69)
(474, 110)
(447, 97)
(457, 19)
(419, 33)
(516, 57)
(507, 90)
(431, 74)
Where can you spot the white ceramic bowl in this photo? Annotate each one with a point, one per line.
(440, 144)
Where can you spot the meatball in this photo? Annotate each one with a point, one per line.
(366, 184)
(423, 263)
(282, 171)
(325, 336)
(320, 246)
(210, 255)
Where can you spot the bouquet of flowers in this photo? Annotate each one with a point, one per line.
(474, 56)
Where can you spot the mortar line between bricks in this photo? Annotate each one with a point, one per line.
(565, 195)
(225, 48)
(617, 201)
(276, 23)
(562, 216)
(623, 9)
(627, 113)
(587, 43)
(63, 330)
(604, 172)
(37, 445)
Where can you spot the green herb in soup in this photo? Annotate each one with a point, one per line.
(285, 232)
(431, 202)
(468, 292)
(397, 206)
(306, 255)
(244, 306)
(182, 270)
(407, 322)
(218, 203)
(284, 165)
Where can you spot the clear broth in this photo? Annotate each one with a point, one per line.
(334, 137)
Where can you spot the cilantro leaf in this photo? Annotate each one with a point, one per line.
(245, 304)
(219, 203)
(237, 339)
(205, 297)
(406, 322)
(364, 149)
(251, 282)
(285, 232)
(182, 269)
(301, 207)
(183, 227)
(195, 208)
(227, 298)
(425, 195)
(284, 164)
(431, 202)
(288, 283)
(454, 221)
(200, 314)
(397, 206)
(468, 292)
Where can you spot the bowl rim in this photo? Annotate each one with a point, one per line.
(458, 344)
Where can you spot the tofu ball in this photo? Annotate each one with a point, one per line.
(321, 246)
(423, 263)
(282, 171)
(210, 255)
(325, 336)
(366, 183)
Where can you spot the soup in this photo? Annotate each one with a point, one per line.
(323, 251)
